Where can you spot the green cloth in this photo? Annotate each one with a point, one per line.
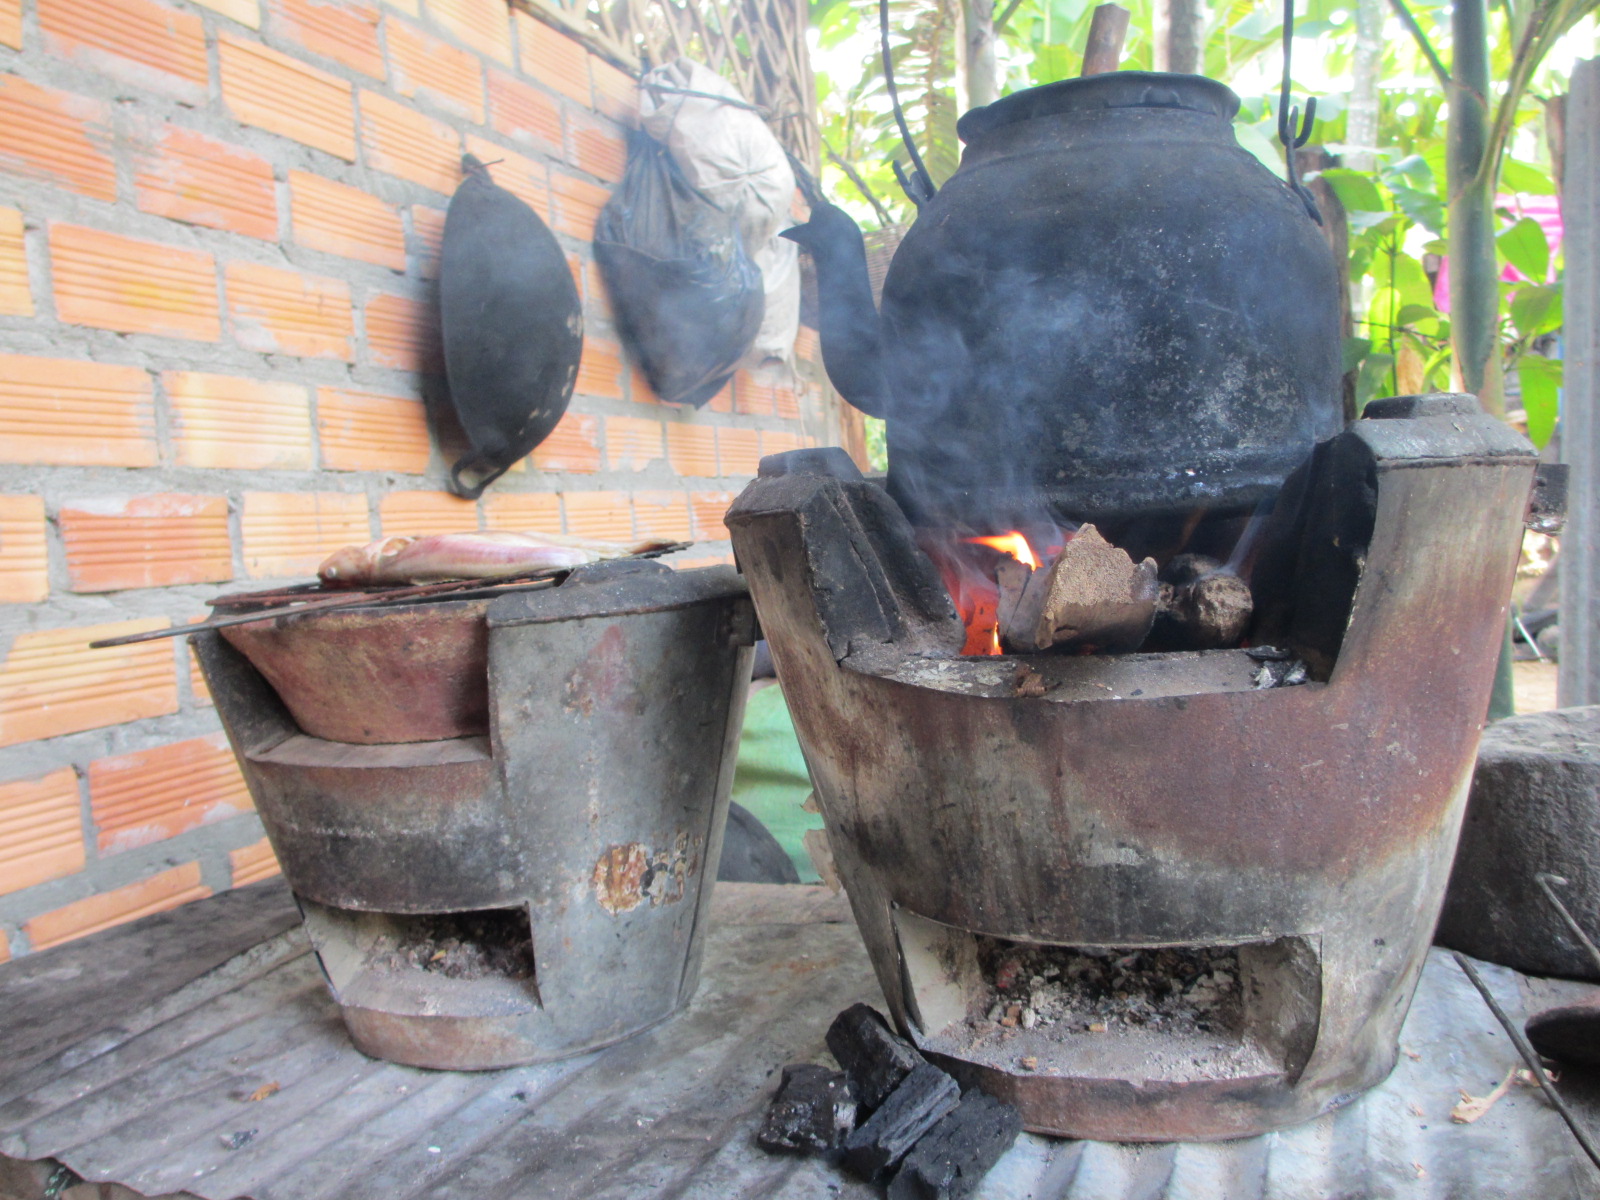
(770, 778)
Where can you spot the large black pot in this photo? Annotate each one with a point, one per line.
(1110, 308)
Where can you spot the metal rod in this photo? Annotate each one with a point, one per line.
(923, 182)
(1516, 619)
(1520, 1041)
(1544, 879)
(457, 588)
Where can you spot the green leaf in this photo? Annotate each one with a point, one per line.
(1355, 190)
(1260, 24)
(1528, 180)
(1536, 310)
(1424, 208)
(1524, 247)
(1541, 383)
(1258, 141)
(1376, 379)
(1355, 349)
(1410, 314)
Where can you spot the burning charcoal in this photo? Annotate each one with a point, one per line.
(873, 1057)
(812, 1110)
(923, 1098)
(1092, 596)
(950, 1162)
(1202, 606)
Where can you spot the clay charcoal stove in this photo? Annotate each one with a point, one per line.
(497, 814)
(1158, 893)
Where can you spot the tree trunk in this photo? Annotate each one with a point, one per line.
(1179, 29)
(1361, 118)
(981, 71)
(1474, 289)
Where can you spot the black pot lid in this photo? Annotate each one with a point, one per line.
(1114, 89)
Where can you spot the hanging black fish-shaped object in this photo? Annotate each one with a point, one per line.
(512, 323)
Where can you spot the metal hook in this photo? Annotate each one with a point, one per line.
(1291, 131)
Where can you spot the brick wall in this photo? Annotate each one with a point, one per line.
(219, 227)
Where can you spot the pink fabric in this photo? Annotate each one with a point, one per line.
(1544, 209)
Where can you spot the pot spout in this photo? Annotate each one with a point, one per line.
(852, 341)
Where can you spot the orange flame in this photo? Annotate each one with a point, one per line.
(1012, 543)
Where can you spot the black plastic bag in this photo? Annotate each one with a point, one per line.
(687, 299)
(512, 323)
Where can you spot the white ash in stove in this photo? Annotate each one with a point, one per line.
(466, 945)
(1093, 990)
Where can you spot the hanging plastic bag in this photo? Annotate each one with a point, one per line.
(512, 324)
(686, 298)
(726, 150)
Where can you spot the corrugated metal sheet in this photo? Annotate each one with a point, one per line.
(154, 1101)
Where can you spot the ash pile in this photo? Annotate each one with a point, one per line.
(888, 1116)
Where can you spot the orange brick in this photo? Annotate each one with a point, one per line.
(523, 512)
(485, 25)
(427, 228)
(691, 449)
(41, 832)
(417, 514)
(597, 147)
(786, 403)
(616, 93)
(577, 204)
(639, 389)
(403, 333)
(752, 397)
(603, 515)
(600, 369)
(708, 509)
(738, 451)
(11, 35)
(156, 894)
(283, 95)
(24, 557)
(246, 12)
(253, 863)
(524, 113)
(366, 431)
(808, 345)
(51, 683)
(573, 445)
(662, 515)
(193, 178)
(16, 298)
(47, 405)
(57, 138)
(632, 443)
(152, 795)
(133, 286)
(245, 424)
(346, 32)
(399, 141)
(142, 41)
(347, 221)
(5, 942)
(290, 533)
(552, 58)
(426, 68)
(146, 541)
(779, 443)
(522, 177)
(284, 312)
(722, 402)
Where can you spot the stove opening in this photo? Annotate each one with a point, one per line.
(472, 963)
(1170, 1013)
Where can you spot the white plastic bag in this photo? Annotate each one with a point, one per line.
(728, 153)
